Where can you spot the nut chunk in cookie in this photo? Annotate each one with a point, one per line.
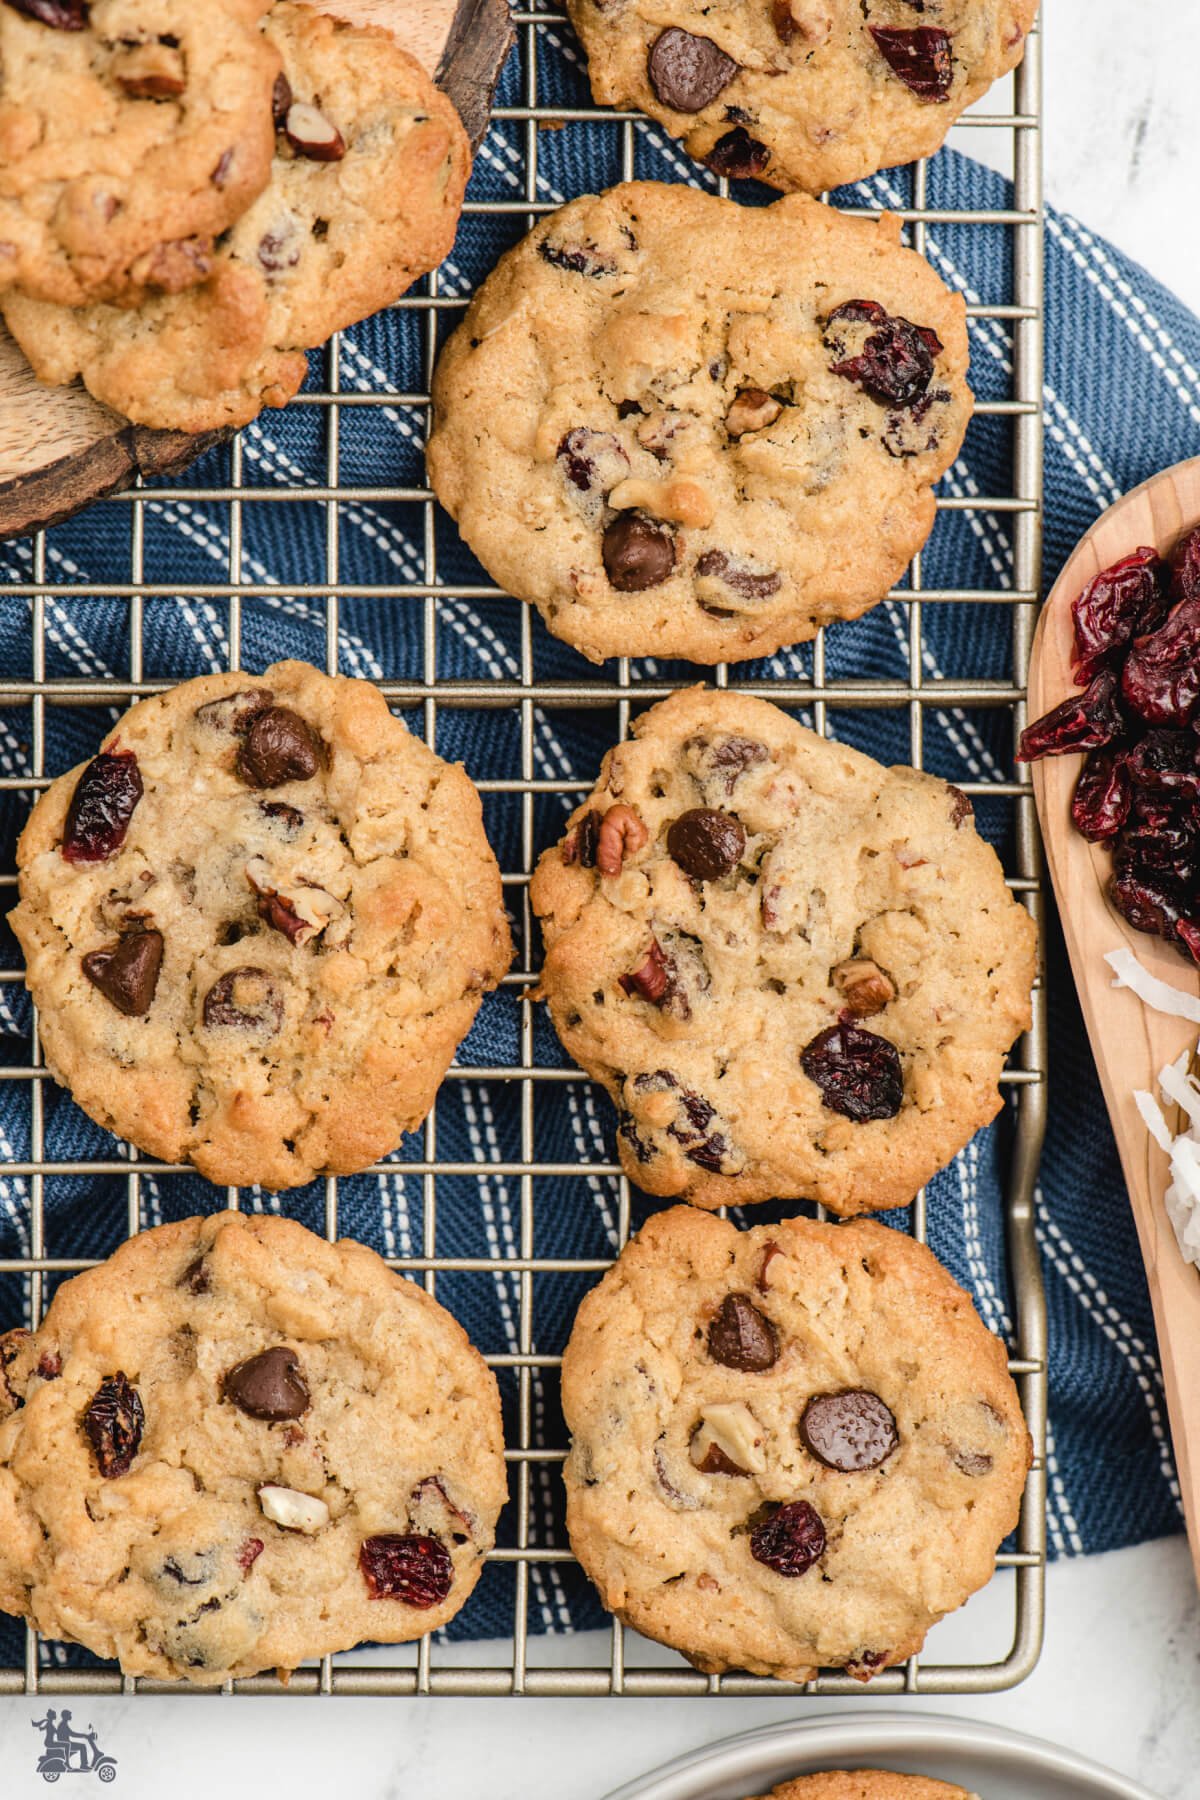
(700, 456)
(792, 1448)
(258, 924)
(234, 1446)
(132, 133)
(796, 972)
(803, 94)
(370, 166)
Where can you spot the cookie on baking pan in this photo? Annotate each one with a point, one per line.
(705, 456)
(234, 1446)
(792, 1448)
(867, 1784)
(258, 924)
(796, 972)
(804, 94)
(365, 191)
(131, 133)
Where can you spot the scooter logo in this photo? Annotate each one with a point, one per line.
(70, 1752)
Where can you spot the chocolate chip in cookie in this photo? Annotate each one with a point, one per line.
(741, 1337)
(279, 747)
(268, 1386)
(126, 972)
(850, 1431)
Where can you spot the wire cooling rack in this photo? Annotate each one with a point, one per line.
(432, 694)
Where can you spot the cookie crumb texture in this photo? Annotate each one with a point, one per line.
(370, 167)
(804, 94)
(131, 133)
(802, 982)
(774, 1558)
(705, 456)
(258, 924)
(230, 1361)
(867, 1784)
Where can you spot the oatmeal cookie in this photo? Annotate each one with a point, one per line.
(366, 186)
(796, 972)
(804, 94)
(792, 1448)
(700, 455)
(233, 1446)
(867, 1784)
(132, 132)
(258, 924)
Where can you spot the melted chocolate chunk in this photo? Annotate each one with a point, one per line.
(638, 553)
(244, 999)
(688, 72)
(850, 1431)
(706, 844)
(740, 1337)
(268, 1386)
(279, 747)
(126, 972)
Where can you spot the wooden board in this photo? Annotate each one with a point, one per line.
(1130, 1042)
(60, 449)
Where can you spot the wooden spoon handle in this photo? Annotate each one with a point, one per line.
(1130, 1042)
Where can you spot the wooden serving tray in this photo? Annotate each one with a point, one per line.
(60, 449)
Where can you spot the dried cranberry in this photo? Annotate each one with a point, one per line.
(114, 1422)
(50, 1365)
(1166, 762)
(577, 259)
(1161, 677)
(1185, 577)
(104, 801)
(1119, 604)
(1084, 721)
(791, 1540)
(1188, 933)
(895, 363)
(416, 1570)
(1151, 905)
(249, 1554)
(1101, 803)
(59, 15)
(858, 1072)
(920, 58)
(737, 156)
(592, 461)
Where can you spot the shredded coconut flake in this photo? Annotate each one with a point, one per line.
(1163, 996)
(1182, 1198)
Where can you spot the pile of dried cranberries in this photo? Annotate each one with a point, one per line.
(1137, 658)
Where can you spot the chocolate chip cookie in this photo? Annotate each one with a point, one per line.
(370, 166)
(796, 972)
(258, 924)
(792, 1448)
(804, 94)
(867, 1784)
(234, 1446)
(132, 132)
(700, 455)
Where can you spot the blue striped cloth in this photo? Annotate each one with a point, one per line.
(1122, 400)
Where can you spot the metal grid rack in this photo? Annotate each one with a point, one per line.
(427, 1670)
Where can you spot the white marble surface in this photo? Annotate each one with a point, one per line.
(1120, 1676)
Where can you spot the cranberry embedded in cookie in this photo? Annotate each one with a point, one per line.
(248, 1502)
(258, 923)
(792, 1447)
(796, 973)
(804, 94)
(660, 453)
